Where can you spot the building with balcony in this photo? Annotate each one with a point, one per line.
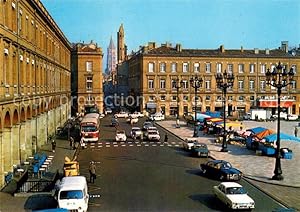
(34, 82)
(153, 72)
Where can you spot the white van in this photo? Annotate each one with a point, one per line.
(73, 193)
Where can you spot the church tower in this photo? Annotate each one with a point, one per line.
(121, 44)
(111, 58)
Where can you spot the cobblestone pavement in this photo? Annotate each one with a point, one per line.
(258, 169)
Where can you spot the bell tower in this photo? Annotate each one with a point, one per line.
(121, 44)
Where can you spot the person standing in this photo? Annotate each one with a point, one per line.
(296, 132)
(71, 142)
(53, 144)
(166, 138)
(92, 170)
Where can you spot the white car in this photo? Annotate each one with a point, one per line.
(157, 117)
(132, 120)
(233, 195)
(121, 135)
(136, 115)
(151, 129)
(147, 124)
(292, 117)
(121, 114)
(108, 110)
(153, 135)
(137, 132)
(188, 144)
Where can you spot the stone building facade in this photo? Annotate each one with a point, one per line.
(87, 77)
(154, 73)
(34, 82)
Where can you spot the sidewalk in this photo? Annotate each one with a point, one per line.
(16, 204)
(257, 170)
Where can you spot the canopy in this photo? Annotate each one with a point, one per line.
(264, 133)
(201, 116)
(232, 124)
(215, 120)
(282, 136)
(257, 130)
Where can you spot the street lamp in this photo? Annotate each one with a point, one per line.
(279, 78)
(177, 86)
(196, 83)
(224, 80)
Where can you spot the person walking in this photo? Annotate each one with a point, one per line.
(82, 143)
(296, 132)
(92, 170)
(166, 138)
(53, 144)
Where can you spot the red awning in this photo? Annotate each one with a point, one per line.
(273, 103)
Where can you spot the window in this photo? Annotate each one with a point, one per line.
(162, 84)
(262, 85)
(230, 98)
(230, 68)
(174, 67)
(219, 98)
(151, 67)
(252, 98)
(196, 67)
(295, 68)
(89, 83)
(219, 68)
(151, 98)
(150, 84)
(207, 84)
(251, 85)
(185, 67)
(262, 68)
(241, 98)
(174, 82)
(185, 98)
(174, 98)
(241, 68)
(162, 67)
(185, 84)
(241, 84)
(89, 66)
(252, 68)
(207, 98)
(163, 98)
(293, 84)
(207, 67)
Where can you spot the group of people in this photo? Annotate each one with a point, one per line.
(73, 145)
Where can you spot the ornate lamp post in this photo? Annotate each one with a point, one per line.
(177, 86)
(224, 81)
(196, 83)
(279, 78)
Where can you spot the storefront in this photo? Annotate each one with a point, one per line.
(151, 107)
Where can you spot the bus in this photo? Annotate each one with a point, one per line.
(90, 127)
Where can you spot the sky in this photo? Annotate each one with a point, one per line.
(196, 24)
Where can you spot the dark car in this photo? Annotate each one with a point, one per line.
(221, 170)
(200, 150)
(114, 122)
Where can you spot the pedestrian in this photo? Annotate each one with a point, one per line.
(166, 138)
(92, 170)
(82, 143)
(71, 142)
(53, 144)
(296, 132)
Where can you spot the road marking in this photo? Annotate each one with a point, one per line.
(139, 145)
(130, 144)
(169, 145)
(107, 146)
(173, 142)
(100, 146)
(95, 195)
(146, 144)
(107, 143)
(123, 145)
(161, 145)
(177, 145)
(154, 145)
(122, 142)
(115, 145)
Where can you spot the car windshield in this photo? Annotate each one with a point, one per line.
(236, 190)
(89, 128)
(120, 132)
(75, 194)
(153, 132)
(226, 165)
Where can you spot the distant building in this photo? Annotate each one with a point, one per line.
(87, 92)
(111, 62)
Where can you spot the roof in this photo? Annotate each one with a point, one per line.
(171, 51)
(231, 184)
(73, 182)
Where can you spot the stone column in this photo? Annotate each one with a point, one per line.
(41, 128)
(15, 138)
(34, 136)
(1, 162)
(7, 149)
(28, 138)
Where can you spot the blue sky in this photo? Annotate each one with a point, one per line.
(194, 23)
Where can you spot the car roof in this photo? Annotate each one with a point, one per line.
(135, 128)
(231, 184)
(121, 131)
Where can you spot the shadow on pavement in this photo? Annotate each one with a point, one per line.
(39, 202)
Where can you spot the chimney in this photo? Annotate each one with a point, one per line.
(151, 45)
(256, 51)
(178, 47)
(242, 49)
(168, 44)
(222, 49)
(267, 51)
(284, 46)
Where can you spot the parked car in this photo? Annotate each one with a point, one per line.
(233, 195)
(221, 169)
(153, 135)
(108, 110)
(188, 144)
(121, 135)
(292, 117)
(132, 120)
(200, 150)
(247, 116)
(137, 132)
(136, 115)
(157, 117)
(147, 124)
(121, 114)
(281, 114)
